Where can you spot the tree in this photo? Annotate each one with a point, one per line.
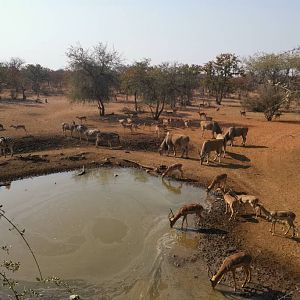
(155, 89)
(36, 75)
(14, 75)
(2, 77)
(219, 72)
(277, 79)
(133, 77)
(94, 74)
(271, 98)
(188, 80)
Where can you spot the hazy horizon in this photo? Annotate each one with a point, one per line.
(188, 32)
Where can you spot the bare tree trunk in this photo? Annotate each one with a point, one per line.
(101, 108)
(158, 110)
(23, 93)
(135, 101)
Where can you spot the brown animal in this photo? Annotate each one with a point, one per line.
(277, 215)
(6, 143)
(172, 168)
(236, 132)
(212, 126)
(277, 115)
(209, 146)
(218, 182)
(18, 127)
(81, 118)
(232, 203)
(243, 113)
(171, 141)
(109, 137)
(231, 263)
(184, 211)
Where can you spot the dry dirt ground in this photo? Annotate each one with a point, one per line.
(269, 165)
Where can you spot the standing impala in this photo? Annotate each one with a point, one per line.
(231, 263)
(185, 210)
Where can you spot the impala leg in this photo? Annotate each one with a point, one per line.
(288, 229)
(232, 212)
(249, 271)
(233, 275)
(181, 173)
(183, 221)
(247, 274)
(273, 227)
(186, 221)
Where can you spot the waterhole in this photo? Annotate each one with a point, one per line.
(106, 233)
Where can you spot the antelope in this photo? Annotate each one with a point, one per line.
(277, 115)
(232, 203)
(6, 143)
(219, 181)
(202, 115)
(187, 123)
(210, 125)
(172, 168)
(243, 113)
(249, 199)
(147, 125)
(184, 211)
(90, 132)
(80, 129)
(81, 118)
(235, 132)
(171, 141)
(231, 263)
(165, 122)
(109, 137)
(158, 128)
(222, 137)
(19, 127)
(277, 215)
(67, 126)
(208, 146)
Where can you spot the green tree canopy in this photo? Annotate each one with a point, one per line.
(219, 73)
(94, 74)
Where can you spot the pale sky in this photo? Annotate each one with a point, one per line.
(187, 31)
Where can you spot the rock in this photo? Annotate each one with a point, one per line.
(74, 297)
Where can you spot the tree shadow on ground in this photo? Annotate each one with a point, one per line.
(237, 156)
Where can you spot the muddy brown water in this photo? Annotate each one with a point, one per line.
(106, 233)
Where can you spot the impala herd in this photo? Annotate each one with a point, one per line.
(171, 142)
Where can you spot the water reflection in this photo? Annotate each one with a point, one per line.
(103, 175)
(140, 176)
(187, 239)
(171, 186)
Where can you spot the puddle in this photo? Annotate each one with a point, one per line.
(106, 233)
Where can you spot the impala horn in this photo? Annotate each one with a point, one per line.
(170, 214)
